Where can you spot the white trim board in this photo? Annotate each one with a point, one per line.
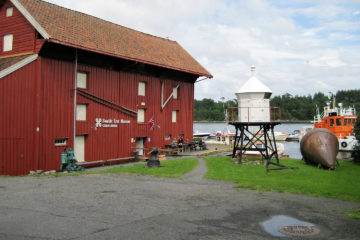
(18, 65)
(31, 19)
(163, 104)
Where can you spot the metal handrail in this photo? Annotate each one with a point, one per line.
(273, 111)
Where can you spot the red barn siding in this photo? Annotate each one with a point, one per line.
(56, 111)
(41, 95)
(24, 35)
(18, 123)
(122, 88)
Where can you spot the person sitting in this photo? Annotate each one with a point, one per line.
(180, 141)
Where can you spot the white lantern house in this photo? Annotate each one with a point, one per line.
(254, 101)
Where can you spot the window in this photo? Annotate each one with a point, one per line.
(81, 81)
(81, 112)
(8, 42)
(141, 115)
(267, 95)
(142, 89)
(60, 141)
(338, 122)
(174, 115)
(331, 122)
(175, 93)
(9, 11)
(168, 137)
(345, 122)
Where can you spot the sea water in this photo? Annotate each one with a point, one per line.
(291, 148)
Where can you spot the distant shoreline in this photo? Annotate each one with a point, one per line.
(283, 121)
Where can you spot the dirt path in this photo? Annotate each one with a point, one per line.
(198, 173)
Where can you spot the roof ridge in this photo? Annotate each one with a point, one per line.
(98, 18)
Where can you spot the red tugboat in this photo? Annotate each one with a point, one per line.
(340, 121)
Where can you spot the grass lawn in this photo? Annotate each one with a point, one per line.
(171, 168)
(343, 183)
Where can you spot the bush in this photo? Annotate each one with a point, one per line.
(356, 153)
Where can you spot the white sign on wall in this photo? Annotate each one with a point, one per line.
(109, 123)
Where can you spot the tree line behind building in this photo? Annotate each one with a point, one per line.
(293, 108)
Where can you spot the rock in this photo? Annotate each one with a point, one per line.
(39, 171)
(32, 173)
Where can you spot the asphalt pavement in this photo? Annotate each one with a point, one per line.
(122, 206)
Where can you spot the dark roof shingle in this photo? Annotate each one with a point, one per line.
(94, 34)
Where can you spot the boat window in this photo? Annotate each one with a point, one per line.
(338, 122)
(331, 122)
(345, 122)
(353, 122)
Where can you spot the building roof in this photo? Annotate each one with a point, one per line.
(254, 85)
(83, 31)
(10, 61)
(11, 64)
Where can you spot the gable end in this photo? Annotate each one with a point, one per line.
(32, 20)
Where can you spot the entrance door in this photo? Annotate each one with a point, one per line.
(80, 148)
(140, 143)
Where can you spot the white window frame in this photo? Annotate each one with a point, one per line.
(141, 115)
(81, 80)
(9, 11)
(174, 116)
(175, 92)
(142, 89)
(8, 42)
(81, 110)
(167, 137)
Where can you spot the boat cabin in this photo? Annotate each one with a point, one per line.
(339, 120)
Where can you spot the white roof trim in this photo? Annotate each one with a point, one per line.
(18, 65)
(30, 18)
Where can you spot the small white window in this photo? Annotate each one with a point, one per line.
(60, 141)
(81, 112)
(141, 115)
(8, 42)
(174, 115)
(81, 80)
(9, 11)
(168, 137)
(142, 88)
(175, 92)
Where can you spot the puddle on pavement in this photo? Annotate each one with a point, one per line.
(284, 226)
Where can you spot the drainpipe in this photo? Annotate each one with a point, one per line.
(75, 87)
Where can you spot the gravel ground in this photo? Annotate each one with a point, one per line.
(121, 206)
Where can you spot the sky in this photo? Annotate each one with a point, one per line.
(299, 47)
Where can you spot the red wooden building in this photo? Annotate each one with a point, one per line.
(68, 79)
